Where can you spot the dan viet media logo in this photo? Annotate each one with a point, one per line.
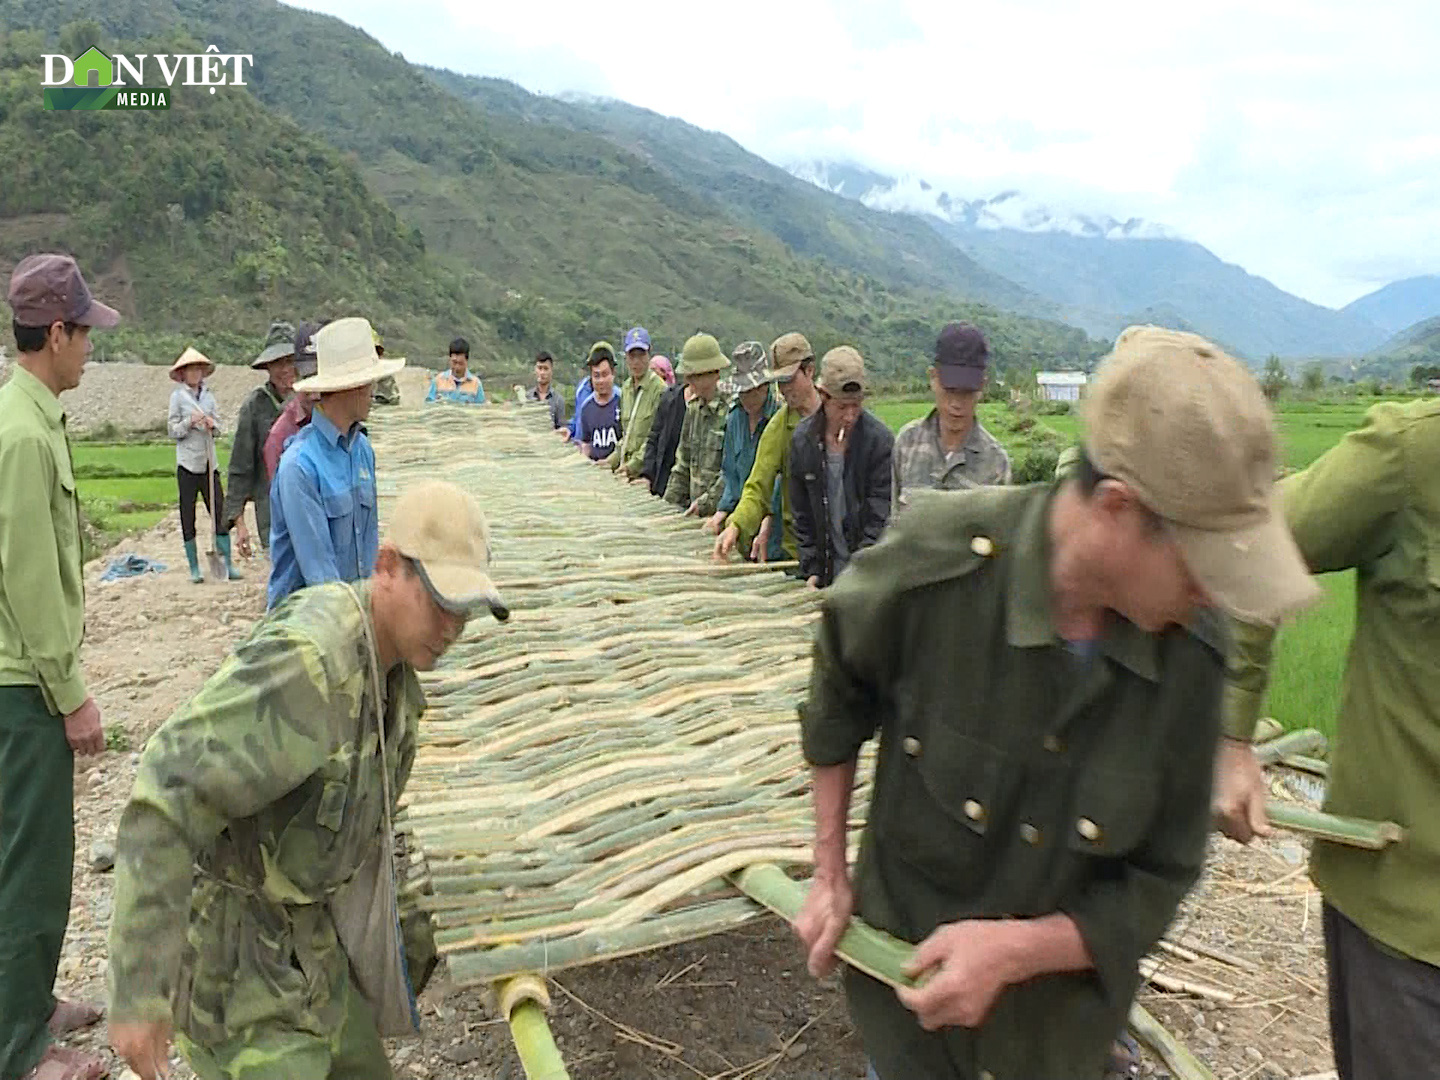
(94, 80)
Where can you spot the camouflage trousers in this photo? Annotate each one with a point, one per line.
(275, 1052)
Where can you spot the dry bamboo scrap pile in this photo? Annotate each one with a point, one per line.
(591, 770)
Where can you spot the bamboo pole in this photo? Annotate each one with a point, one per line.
(1178, 1059)
(884, 957)
(523, 1001)
(1307, 741)
(1355, 832)
(1311, 765)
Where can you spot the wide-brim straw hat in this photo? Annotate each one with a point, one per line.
(189, 358)
(346, 358)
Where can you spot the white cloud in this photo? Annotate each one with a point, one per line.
(1296, 138)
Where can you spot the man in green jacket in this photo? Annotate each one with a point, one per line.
(260, 798)
(247, 480)
(1045, 676)
(696, 481)
(750, 524)
(47, 715)
(1371, 503)
(639, 398)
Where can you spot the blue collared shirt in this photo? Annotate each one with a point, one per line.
(323, 520)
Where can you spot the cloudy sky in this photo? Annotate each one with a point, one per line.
(1298, 139)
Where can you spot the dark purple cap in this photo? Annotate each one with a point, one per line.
(48, 288)
(961, 357)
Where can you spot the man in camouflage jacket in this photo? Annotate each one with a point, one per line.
(949, 449)
(263, 795)
(697, 480)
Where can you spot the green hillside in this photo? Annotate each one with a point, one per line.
(206, 220)
(534, 234)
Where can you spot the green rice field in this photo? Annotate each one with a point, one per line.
(126, 488)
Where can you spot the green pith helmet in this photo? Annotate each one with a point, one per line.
(701, 356)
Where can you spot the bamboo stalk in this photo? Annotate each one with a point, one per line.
(872, 951)
(1311, 765)
(1267, 729)
(1151, 971)
(1355, 832)
(1179, 1060)
(1307, 741)
(697, 567)
(535, 1043)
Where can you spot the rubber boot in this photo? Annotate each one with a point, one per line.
(193, 558)
(222, 544)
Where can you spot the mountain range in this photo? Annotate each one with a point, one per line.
(1104, 273)
(445, 203)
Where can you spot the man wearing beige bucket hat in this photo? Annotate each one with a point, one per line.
(277, 781)
(324, 525)
(1043, 666)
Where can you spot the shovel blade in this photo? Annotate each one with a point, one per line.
(218, 570)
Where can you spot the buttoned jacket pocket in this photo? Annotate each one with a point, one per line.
(943, 804)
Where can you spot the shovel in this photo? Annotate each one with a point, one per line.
(218, 570)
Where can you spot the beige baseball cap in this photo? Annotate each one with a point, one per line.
(842, 374)
(442, 530)
(1188, 429)
(787, 353)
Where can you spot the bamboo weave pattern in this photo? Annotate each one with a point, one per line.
(589, 772)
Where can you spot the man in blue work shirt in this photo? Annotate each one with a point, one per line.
(324, 524)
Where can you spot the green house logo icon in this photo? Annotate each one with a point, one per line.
(94, 69)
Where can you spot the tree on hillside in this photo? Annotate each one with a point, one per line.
(1313, 379)
(1275, 379)
(1421, 374)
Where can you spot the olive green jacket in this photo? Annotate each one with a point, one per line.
(637, 416)
(1014, 779)
(252, 804)
(1373, 503)
(42, 590)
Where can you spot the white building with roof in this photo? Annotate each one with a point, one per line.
(1061, 385)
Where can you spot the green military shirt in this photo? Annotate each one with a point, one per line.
(1014, 778)
(42, 591)
(1373, 503)
(637, 417)
(264, 784)
(247, 480)
(772, 459)
(697, 475)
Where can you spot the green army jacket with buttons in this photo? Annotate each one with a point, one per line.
(1372, 502)
(1013, 779)
(252, 804)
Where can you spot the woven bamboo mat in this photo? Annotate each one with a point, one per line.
(590, 771)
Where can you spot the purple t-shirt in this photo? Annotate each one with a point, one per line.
(600, 426)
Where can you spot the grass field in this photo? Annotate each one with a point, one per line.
(126, 488)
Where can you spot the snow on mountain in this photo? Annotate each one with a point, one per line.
(1007, 210)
